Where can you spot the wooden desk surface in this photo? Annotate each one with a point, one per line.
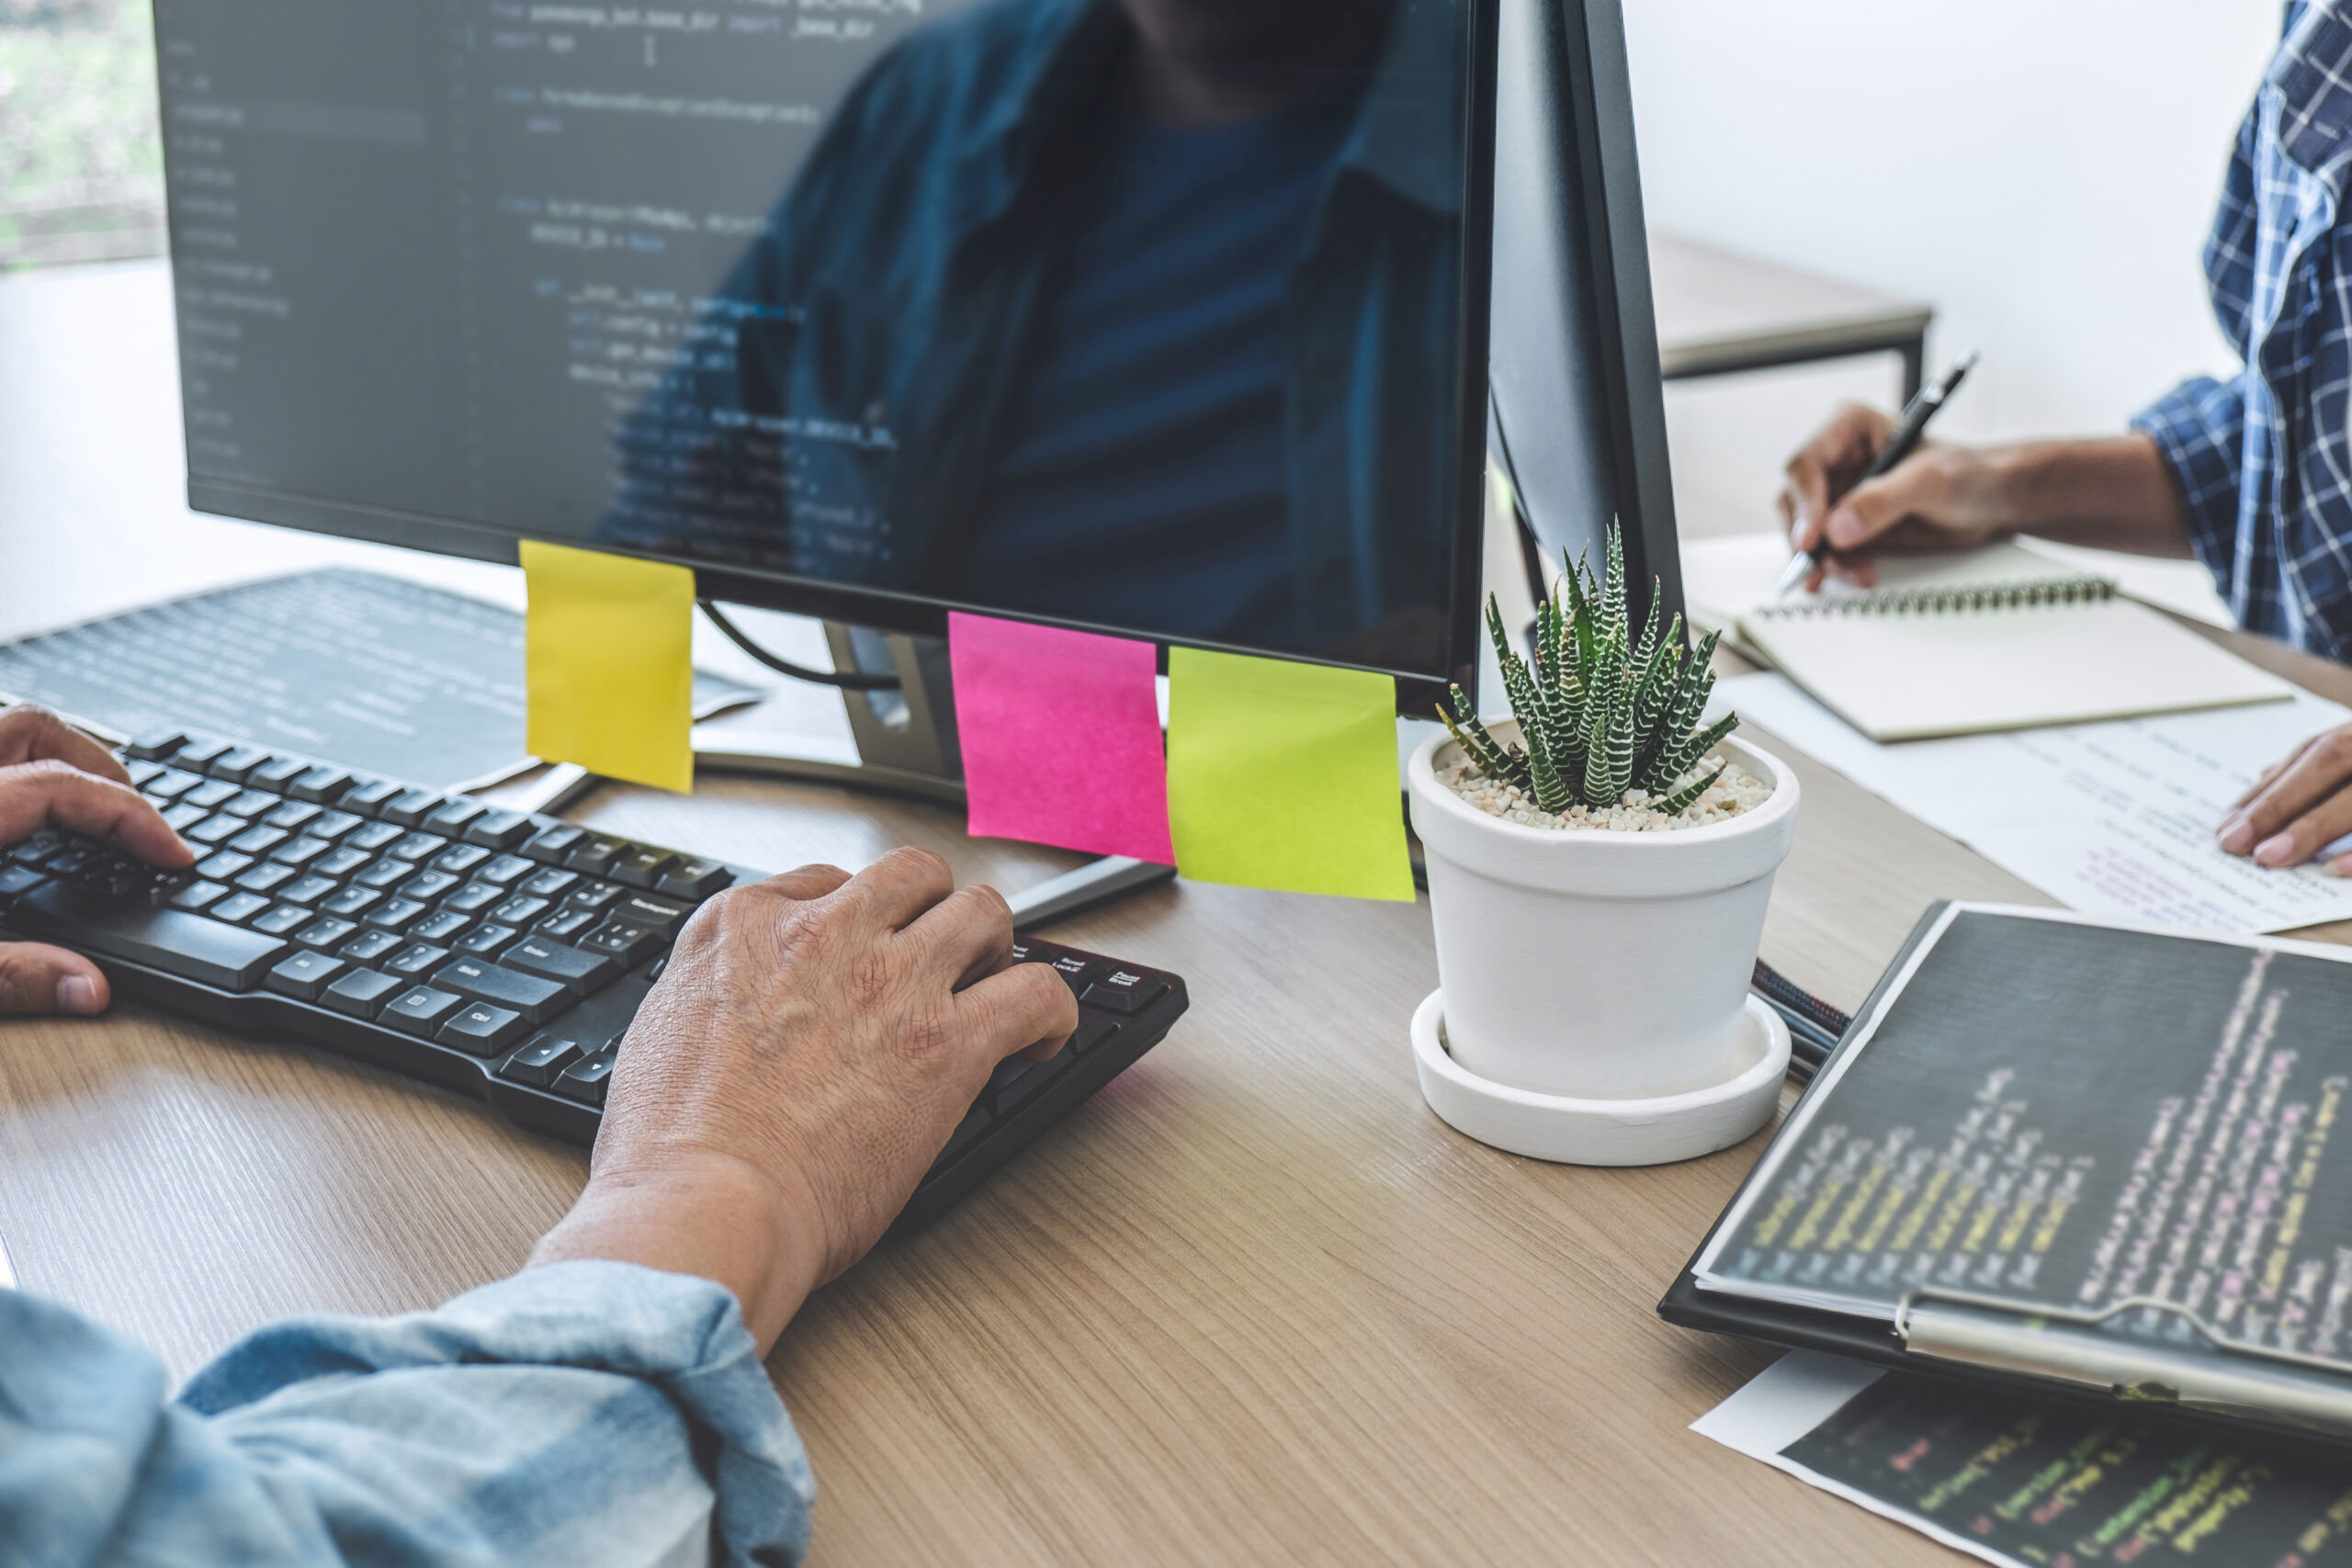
(1252, 1303)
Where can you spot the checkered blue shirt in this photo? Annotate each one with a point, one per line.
(2264, 459)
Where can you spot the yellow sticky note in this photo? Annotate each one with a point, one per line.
(608, 663)
(1284, 775)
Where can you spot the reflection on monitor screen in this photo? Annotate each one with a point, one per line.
(1142, 313)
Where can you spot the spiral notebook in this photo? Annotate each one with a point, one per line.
(1996, 638)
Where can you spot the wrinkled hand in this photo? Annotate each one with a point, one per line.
(813, 1041)
(52, 775)
(2298, 806)
(1940, 498)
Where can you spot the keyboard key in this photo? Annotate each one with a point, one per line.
(301, 851)
(550, 882)
(307, 889)
(37, 849)
(1078, 970)
(535, 997)
(450, 819)
(695, 880)
(653, 914)
(542, 1061)
(284, 921)
(585, 1079)
(411, 806)
(1015, 1083)
(16, 879)
(143, 774)
(420, 1010)
(374, 836)
(211, 793)
(250, 803)
(277, 775)
(366, 799)
(443, 926)
(595, 854)
(417, 960)
(519, 911)
(384, 873)
(593, 896)
(350, 901)
(498, 829)
(584, 974)
(225, 865)
(180, 818)
(229, 958)
(325, 934)
(1094, 1029)
(368, 946)
(334, 825)
(474, 898)
(631, 945)
(1124, 991)
(460, 858)
(567, 923)
(418, 847)
(485, 941)
(1029, 949)
(361, 992)
(969, 1131)
(215, 829)
(641, 866)
(305, 974)
(262, 878)
(259, 840)
(198, 754)
(238, 907)
(396, 914)
(199, 896)
(321, 785)
(552, 845)
(170, 784)
(154, 744)
(506, 869)
(292, 814)
(482, 1028)
(428, 885)
(341, 862)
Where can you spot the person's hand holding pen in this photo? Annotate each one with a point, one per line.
(1942, 497)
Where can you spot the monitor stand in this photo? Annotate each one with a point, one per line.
(905, 744)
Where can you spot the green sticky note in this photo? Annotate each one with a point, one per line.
(608, 664)
(1284, 777)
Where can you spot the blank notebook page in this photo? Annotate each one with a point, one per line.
(1906, 674)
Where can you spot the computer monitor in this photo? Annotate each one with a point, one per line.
(1160, 317)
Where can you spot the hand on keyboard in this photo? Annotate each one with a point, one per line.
(52, 775)
(811, 1044)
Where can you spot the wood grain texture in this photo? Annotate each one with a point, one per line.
(1252, 1303)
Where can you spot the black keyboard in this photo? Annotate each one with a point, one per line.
(496, 952)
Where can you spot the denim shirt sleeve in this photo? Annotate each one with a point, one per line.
(2199, 426)
(577, 1415)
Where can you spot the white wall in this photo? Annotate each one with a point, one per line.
(2041, 170)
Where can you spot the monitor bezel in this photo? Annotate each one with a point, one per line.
(924, 615)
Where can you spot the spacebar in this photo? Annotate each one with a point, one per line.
(178, 943)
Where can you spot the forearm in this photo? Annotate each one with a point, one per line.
(2115, 492)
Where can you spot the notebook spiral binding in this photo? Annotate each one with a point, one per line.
(2024, 593)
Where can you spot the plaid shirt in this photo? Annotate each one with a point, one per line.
(2263, 459)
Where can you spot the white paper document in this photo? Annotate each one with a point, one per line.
(2114, 819)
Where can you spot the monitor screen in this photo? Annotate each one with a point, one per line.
(1164, 316)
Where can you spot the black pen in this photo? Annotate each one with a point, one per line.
(1899, 445)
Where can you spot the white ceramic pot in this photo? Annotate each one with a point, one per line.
(1590, 964)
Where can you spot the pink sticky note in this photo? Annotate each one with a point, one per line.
(1061, 731)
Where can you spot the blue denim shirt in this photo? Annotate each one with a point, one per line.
(575, 1416)
(844, 396)
(2264, 458)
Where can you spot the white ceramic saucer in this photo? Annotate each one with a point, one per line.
(1607, 1131)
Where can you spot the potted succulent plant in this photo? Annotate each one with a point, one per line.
(1599, 865)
